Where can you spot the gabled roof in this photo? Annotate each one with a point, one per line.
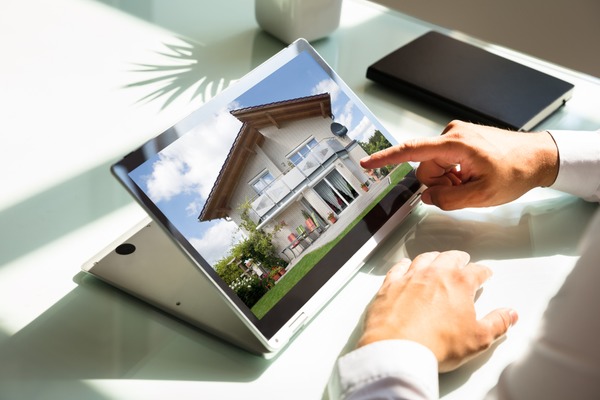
(254, 118)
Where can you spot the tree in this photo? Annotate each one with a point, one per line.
(258, 245)
(375, 143)
(228, 271)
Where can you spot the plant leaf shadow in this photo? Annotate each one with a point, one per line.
(197, 70)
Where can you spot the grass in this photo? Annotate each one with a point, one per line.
(309, 260)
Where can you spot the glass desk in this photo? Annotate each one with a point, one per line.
(83, 82)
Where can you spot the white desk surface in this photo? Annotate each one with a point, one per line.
(74, 98)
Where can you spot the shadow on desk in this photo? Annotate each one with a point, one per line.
(59, 210)
(515, 230)
(98, 332)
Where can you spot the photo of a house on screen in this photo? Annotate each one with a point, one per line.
(264, 187)
(288, 172)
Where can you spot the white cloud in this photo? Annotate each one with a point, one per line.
(363, 131)
(166, 179)
(217, 240)
(327, 86)
(192, 163)
(194, 208)
(345, 118)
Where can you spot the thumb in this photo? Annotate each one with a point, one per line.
(497, 322)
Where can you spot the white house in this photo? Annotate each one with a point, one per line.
(287, 163)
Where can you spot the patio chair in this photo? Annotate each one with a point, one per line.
(295, 242)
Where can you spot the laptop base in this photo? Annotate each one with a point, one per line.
(145, 263)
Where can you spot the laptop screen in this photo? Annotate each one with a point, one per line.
(263, 188)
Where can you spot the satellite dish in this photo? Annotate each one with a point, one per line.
(338, 129)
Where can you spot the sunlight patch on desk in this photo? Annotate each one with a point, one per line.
(181, 390)
(512, 285)
(354, 14)
(71, 115)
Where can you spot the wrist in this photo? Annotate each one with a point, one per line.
(547, 159)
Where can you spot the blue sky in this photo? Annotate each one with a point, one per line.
(296, 79)
(180, 177)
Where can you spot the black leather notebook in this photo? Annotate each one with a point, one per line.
(471, 83)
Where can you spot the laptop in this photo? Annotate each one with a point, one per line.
(258, 209)
(471, 83)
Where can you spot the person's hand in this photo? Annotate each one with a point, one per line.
(431, 301)
(475, 166)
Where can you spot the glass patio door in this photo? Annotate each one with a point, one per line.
(336, 191)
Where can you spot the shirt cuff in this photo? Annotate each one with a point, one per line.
(579, 169)
(386, 369)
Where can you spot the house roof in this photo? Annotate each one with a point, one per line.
(254, 118)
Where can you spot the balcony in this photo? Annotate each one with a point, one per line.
(294, 180)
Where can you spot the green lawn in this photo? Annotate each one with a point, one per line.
(309, 260)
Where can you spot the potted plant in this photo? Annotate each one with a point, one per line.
(331, 217)
(276, 273)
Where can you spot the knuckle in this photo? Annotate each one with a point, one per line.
(455, 123)
(411, 145)
(453, 126)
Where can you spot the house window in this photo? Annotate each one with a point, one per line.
(261, 183)
(302, 152)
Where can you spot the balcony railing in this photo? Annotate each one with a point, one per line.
(295, 179)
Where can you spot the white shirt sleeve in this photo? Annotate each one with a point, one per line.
(579, 170)
(391, 369)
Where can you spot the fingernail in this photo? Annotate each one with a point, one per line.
(367, 158)
(514, 317)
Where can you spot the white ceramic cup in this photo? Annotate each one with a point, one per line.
(289, 20)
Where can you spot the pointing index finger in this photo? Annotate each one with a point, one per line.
(419, 149)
